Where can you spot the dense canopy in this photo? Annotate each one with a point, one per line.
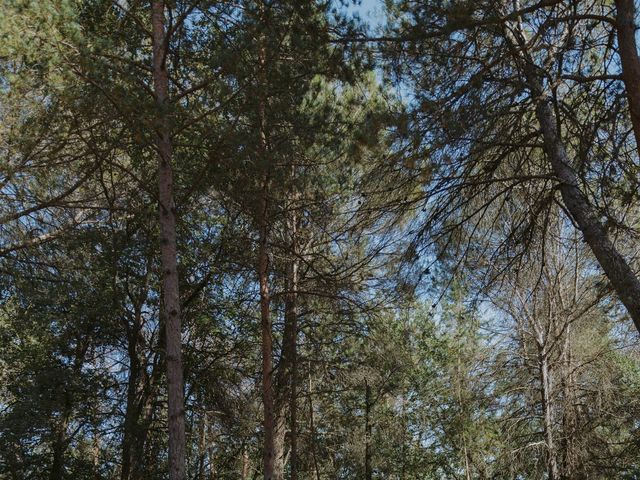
(290, 239)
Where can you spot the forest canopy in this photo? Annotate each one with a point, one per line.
(288, 239)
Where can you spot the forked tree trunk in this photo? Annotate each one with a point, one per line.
(168, 248)
(628, 51)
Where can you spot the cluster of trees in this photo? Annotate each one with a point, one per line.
(260, 239)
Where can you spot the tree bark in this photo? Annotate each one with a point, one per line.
(628, 51)
(273, 468)
(622, 278)
(168, 248)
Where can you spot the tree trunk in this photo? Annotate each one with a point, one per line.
(568, 416)
(168, 249)
(623, 280)
(202, 446)
(246, 466)
(628, 51)
(131, 409)
(287, 371)
(368, 472)
(273, 468)
(547, 414)
(269, 454)
(292, 308)
(312, 428)
(59, 448)
(146, 408)
(618, 271)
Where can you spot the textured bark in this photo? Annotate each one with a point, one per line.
(628, 51)
(622, 278)
(168, 249)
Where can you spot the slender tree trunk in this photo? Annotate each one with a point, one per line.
(628, 51)
(210, 454)
(547, 414)
(568, 417)
(246, 465)
(95, 453)
(312, 429)
(368, 472)
(168, 249)
(463, 408)
(271, 456)
(272, 453)
(59, 448)
(131, 409)
(202, 444)
(288, 366)
(146, 408)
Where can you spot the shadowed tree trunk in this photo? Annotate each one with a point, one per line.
(168, 248)
(59, 448)
(271, 454)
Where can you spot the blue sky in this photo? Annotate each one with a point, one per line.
(370, 11)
